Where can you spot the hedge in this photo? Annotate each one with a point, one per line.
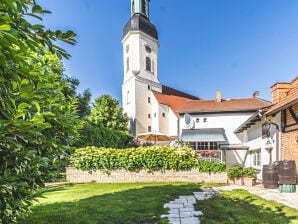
(147, 158)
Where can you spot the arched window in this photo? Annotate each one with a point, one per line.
(148, 64)
(128, 97)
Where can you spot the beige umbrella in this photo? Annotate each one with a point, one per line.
(154, 136)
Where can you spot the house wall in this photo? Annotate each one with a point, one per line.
(228, 121)
(173, 124)
(252, 138)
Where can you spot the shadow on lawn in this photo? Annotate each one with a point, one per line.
(145, 205)
(133, 206)
(241, 209)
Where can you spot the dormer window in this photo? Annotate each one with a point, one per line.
(148, 64)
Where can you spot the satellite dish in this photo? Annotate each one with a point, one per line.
(189, 122)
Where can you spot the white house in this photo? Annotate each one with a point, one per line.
(209, 125)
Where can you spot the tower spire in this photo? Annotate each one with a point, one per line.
(140, 7)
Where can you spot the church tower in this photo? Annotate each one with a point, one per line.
(140, 58)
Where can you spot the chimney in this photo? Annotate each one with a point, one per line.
(218, 96)
(280, 91)
(256, 94)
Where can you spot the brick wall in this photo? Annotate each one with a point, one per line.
(121, 176)
(289, 138)
(289, 146)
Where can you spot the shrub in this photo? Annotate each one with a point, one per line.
(251, 172)
(236, 170)
(99, 136)
(207, 166)
(148, 158)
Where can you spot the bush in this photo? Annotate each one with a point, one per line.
(251, 172)
(236, 170)
(148, 158)
(207, 166)
(96, 135)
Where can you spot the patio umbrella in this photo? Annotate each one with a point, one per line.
(154, 136)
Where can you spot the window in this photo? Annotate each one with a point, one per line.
(205, 119)
(154, 114)
(148, 64)
(255, 156)
(149, 128)
(213, 146)
(127, 64)
(149, 99)
(128, 97)
(198, 120)
(149, 87)
(149, 115)
(163, 114)
(203, 146)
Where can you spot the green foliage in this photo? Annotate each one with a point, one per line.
(207, 166)
(37, 122)
(251, 172)
(99, 136)
(148, 158)
(236, 170)
(106, 112)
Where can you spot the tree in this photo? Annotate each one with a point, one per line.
(38, 123)
(83, 104)
(107, 112)
(83, 100)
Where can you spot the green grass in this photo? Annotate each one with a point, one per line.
(106, 203)
(143, 204)
(241, 207)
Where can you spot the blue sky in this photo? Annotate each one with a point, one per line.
(236, 46)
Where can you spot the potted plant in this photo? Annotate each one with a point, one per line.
(235, 174)
(250, 176)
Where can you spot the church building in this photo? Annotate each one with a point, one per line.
(153, 107)
(150, 106)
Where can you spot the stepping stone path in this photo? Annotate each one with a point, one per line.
(182, 211)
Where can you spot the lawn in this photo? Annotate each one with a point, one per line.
(143, 204)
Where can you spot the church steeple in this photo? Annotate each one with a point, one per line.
(140, 7)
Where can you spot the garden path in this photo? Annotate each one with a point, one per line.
(288, 199)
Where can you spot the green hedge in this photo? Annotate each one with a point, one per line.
(98, 136)
(148, 158)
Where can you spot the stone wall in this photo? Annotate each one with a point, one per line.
(121, 176)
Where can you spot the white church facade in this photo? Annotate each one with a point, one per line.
(152, 107)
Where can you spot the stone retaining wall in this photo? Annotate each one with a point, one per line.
(121, 176)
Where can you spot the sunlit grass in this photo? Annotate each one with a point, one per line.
(140, 203)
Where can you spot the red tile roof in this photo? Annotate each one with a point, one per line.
(175, 102)
(171, 91)
(288, 101)
(226, 105)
